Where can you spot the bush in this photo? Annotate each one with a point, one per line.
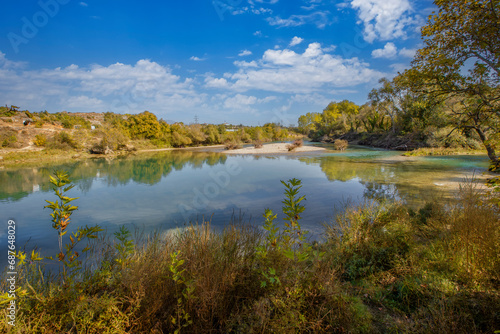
(340, 144)
(9, 138)
(233, 146)
(369, 239)
(63, 140)
(257, 144)
(40, 140)
(294, 145)
(10, 141)
(113, 138)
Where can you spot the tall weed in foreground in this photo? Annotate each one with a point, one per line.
(475, 234)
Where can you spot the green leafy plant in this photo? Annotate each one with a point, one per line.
(295, 246)
(62, 209)
(270, 245)
(291, 243)
(126, 245)
(182, 319)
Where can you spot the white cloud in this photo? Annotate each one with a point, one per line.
(286, 71)
(245, 53)
(258, 33)
(84, 4)
(6, 63)
(253, 63)
(270, 2)
(385, 19)
(194, 58)
(389, 51)
(320, 19)
(296, 41)
(117, 87)
(410, 53)
(243, 102)
(212, 82)
(83, 103)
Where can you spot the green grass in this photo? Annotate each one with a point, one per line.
(381, 268)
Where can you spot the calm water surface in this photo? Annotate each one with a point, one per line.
(163, 190)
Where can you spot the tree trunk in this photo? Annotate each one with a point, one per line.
(495, 161)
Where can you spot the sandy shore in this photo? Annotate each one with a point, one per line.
(274, 149)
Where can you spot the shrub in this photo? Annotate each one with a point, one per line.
(294, 145)
(232, 146)
(113, 138)
(369, 238)
(258, 144)
(64, 141)
(40, 140)
(340, 144)
(10, 141)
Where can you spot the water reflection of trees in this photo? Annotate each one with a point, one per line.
(382, 179)
(147, 169)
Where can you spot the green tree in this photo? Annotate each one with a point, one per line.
(460, 63)
(387, 100)
(144, 126)
(309, 122)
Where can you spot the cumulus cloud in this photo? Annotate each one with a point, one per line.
(212, 82)
(389, 51)
(286, 71)
(410, 53)
(296, 41)
(252, 63)
(117, 87)
(245, 53)
(385, 19)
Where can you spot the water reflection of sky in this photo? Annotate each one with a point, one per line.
(162, 191)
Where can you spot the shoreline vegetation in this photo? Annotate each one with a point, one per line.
(381, 267)
(51, 142)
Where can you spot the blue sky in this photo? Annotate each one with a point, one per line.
(240, 61)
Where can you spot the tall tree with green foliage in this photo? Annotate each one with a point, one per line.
(460, 63)
(144, 126)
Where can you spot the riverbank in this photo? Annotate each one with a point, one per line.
(278, 148)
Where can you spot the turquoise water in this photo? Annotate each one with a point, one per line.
(164, 190)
